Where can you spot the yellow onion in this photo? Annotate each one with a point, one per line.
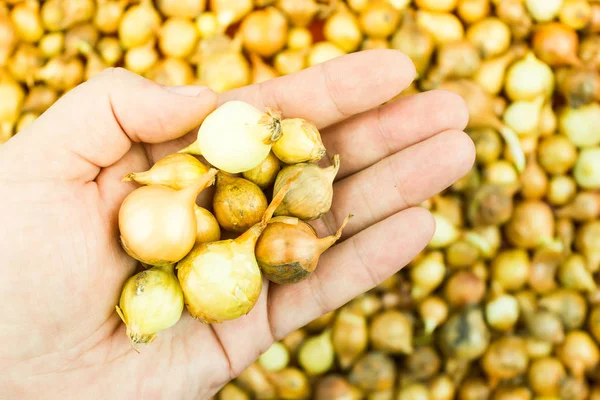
(514, 13)
(450, 207)
(316, 354)
(594, 322)
(349, 337)
(557, 154)
(437, 5)
(486, 238)
(52, 44)
(544, 10)
(177, 37)
(254, 380)
(221, 280)
(531, 224)
(501, 172)
(443, 27)
(207, 227)
(323, 51)
(491, 204)
(62, 14)
(465, 335)
(12, 94)
(181, 8)
(300, 142)
(491, 74)
(299, 12)
(288, 250)
(457, 59)
(275, 358)
(311, 195)
(579, 86)
(576, 14)
(8, 37)
(534, 181)
(110, 50)
(556, 44)
(561, 191)
(290, 61)
(392, 332)
(587, 168)
(445, 232)
(151, 301)
(434, 312)
(62, 72)
(471, 11)
(83, 34)
(94, 63)
(578, 352)
(367, 305)
(139, 25)
(379, 19)
(442, 388)
(207, 24)
(491, 36)
(171, 72)
(581, 125)
(299, 38)
(464, 288)
(538, 348)
(230, 11)
(264, 32)
(413, 391)
(264, 174)
(224, 68)
(39, 99)
(25, 62)
(237, 137)
(505, 358)
(585, 206)
(488, 145)
(510, 269)
(140, 59)
(587, 242)
(320, 323)
(375, 372)
(548, 120)
(574, 388)
(569, 305)
(158, 223)
(25, 120)
(574, 274)
(502, 312)
(414, 41)
(481, 114)
(545, 376)
(343, 30)
(108, 14)
(232, 392)
(261, 72)
(528, 79)
(25, 17)
(474, 389)
(293, 340)
(512, 393)
(589, 51)
(423, 363)
(291, 384)
(238, 203)
(427, 274)
(336, 387)
(523, 116)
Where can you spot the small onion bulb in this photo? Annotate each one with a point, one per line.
(529, 78)
(544, 10)
(236, 137)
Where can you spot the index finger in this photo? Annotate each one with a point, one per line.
(334, 90)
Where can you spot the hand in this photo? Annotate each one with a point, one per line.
(63, 268)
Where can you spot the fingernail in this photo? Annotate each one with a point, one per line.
(188, 90)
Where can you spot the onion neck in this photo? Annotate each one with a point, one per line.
(193, 148)
(270, 126)
(326, 242)
(332, 170)
(190, 193)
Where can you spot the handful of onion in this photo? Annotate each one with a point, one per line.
(163, 227)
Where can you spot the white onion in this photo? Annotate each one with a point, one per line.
(529, 78)
(581, 125)
(524, 116)
(587, 168)
(543, 10)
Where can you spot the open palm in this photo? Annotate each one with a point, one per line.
(62, 267)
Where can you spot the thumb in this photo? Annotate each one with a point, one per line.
(95, 124)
